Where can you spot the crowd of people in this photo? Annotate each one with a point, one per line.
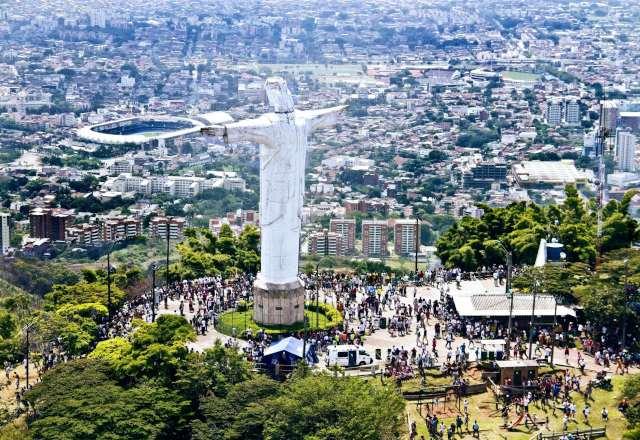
(377, 303)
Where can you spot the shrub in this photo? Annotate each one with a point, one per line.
(334, 317)
(243, 306)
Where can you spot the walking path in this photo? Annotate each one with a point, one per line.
(202, 342)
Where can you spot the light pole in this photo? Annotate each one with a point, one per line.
(417, 243)
(304, 334)
(169, 220)
(317, 285)
(553, 330)
(563, 258)
(109, 287)
(27, 329)
(626, 303)
(509, 255)
(153, 292)
(533, 314)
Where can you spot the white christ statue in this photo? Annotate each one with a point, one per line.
(282, 135)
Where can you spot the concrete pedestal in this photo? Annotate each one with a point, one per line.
(278, 304)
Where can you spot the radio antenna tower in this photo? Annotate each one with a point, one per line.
(601, 179)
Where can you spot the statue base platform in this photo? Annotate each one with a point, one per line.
(278, 304)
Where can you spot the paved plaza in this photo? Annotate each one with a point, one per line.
(382, 339)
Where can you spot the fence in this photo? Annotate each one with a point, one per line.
(429, 393)
(582, 434)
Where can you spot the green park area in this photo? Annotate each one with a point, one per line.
(322, 317)
(514, 75)
(483, 408)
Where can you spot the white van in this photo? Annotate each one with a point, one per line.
(348, 356)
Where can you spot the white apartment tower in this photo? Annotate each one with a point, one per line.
(625, 150)
(572, 112)
(554, 112)
(374, 238)
(4, 233)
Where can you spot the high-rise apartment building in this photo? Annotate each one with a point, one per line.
(51, 223)
(554, 112)
(404, 236)
(326, 243)
(158, 227)
(559, 110)
(4, 233)
(121, 227)
(346, 227)
(572, 111)
(626, 150)
(87, 234)
(374, 238)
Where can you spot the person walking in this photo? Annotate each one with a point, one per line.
(585, 412)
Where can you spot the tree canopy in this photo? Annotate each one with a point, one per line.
(150, 386)
(318, 407)
(204, 254)
(473, 242)
(81, 399)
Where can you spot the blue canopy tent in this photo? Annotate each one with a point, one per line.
(288, 351)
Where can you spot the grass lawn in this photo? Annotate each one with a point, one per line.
(482, 408)
(519, 76)
(244, 320)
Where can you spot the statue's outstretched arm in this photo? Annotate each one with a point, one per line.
(251, 130)
(326, 117)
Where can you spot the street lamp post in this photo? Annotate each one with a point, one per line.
(533, 314)
(317, 285)
(27, 330)
(169, 219)
(153, 292)
(509, 256)
(563, 257)
(626, 303)
(304, 335)
(109, 287)
(417, 244)
(553, 330)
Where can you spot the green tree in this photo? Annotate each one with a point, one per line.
(520, 226)
(153, 350)
(309, 406)
(323, 407)
(610, 295)
(82, 292)
(238, 414)
(204, 254)
(214, 370)
(79, 400)
(7, 324)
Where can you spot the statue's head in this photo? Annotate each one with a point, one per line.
(278, 95)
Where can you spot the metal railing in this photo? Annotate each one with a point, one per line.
(578, 434)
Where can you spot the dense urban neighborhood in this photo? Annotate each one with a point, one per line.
(340, 220)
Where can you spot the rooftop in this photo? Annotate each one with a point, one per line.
(498, 305)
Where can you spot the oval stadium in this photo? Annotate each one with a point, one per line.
(148, 129)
